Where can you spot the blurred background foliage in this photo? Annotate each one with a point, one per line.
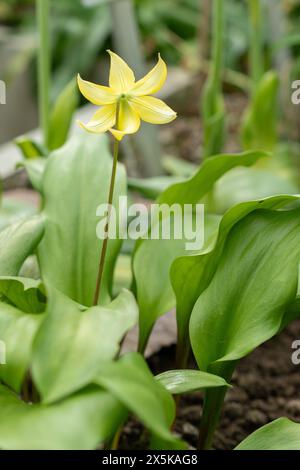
(81, 31)
(172, 27)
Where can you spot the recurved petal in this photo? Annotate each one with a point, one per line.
(102, 120)
(153, 81)
(121, 77)
(128, 123)
(96, 94)
(153, 110)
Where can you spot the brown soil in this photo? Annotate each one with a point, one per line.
(266, 386)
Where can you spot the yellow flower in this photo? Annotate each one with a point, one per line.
(126, 102)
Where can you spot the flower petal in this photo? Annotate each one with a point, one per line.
(102, 121)
(153, 110)
(96, 94)
(128, 123)
(153, 81)
(121, 77)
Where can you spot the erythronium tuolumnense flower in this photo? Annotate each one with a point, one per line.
(122, 107)
(126, 102)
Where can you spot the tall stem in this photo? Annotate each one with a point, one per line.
(256, 42)
(212, 409)
(212, 99)
(44, 60)
(213, 403)
(183, 347)
(106, 234)
(217, 48)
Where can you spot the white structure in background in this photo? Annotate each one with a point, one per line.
(2, 92)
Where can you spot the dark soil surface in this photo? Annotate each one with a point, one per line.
(266, 386)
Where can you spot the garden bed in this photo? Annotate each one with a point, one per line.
(265, 387)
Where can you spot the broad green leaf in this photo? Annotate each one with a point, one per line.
(153, 258)
(23, 293)
(254, 280)
(17, 331)
(281, 434)
(152, 263)
(195, 188)
(191, 275)
(81, 422)
(35, 170)
(259, 129)
(183, 381)
(246, 184)
(73, 342)
(76, 182)
(17, 242)
(130, 381)
(178, 167)
(13, 211)
(61, 115)
(29, 148)
(152, 187)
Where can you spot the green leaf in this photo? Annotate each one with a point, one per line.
(17, 242)
(76, 181)
(183, 381)
(281, 434)
(153, 258)
(152, 187)
(195, 188)
(177, 167)
(61, 115)
(191, 275)
(245, 184)
(254, 279)
(81, 422)
(17, 331)
(12, 211)
(35, 171)
(259, 129)
(152, 263)
(73, 342)
(23, 293)
(29, 148)
(131, 382)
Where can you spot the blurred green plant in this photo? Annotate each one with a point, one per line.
(44, 65)
(261, 119)
(213, 108)
(64, 385)
(260, 123)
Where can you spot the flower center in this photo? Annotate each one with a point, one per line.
(123, 97)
